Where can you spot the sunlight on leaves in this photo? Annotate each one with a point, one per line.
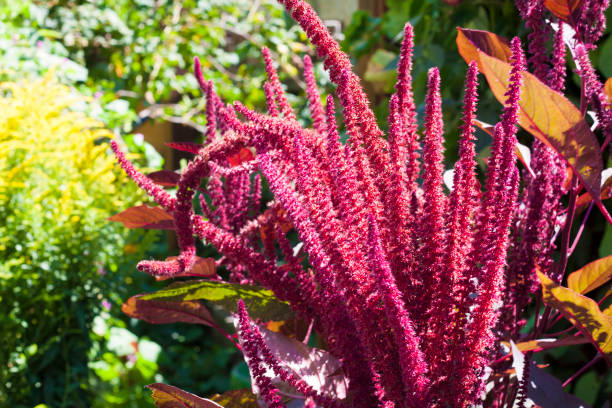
(167, 396)
(242, 398)
(591, 276)
(261, 303)
(582, 312)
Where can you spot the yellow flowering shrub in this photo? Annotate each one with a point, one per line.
(58, 185)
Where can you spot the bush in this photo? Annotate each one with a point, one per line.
(58, 254)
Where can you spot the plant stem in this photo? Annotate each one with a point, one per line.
(579, 233)
(582, 370)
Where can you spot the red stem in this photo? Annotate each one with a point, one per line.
(582, 370)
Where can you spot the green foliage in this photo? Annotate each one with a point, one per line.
(58, 254)
(142, 51)
(434, 22)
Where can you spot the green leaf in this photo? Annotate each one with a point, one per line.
(591, 276)
(167, 396)
(582, 312)
(261, 303)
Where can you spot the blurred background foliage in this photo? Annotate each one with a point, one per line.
(64, 271)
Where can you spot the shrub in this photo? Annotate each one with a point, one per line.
(57, 251)
(412, 291)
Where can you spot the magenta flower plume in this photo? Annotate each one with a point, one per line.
(592, 21)
(314, 98)
(489, 253)
(404, 147)
(594, 91)
(449, 307)
(556, 75)
(156, 192)
(412, 360)
(403, 283)
(431, 227)
(248, 342)
(279, 94)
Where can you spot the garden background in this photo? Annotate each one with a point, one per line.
(124, 69)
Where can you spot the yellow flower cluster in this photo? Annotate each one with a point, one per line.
(59, 156)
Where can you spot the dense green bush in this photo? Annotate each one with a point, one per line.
(58, 254)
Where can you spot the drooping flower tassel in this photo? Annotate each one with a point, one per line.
(248, 342)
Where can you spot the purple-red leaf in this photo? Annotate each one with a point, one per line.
(202, 267)
(188, 147)
(564, 9)
(582, 312)
(162, 312)
(316, 367)
(606, 191)
(165, 178)
(544, 113)
(167, 396)
(143, 216)
(543, 389)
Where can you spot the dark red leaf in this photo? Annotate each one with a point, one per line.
(566, 10)
(165, 178)
(188, 147)
(143, 216)
(162, 312)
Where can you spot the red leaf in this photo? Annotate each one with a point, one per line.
(165, 178)
(316, 367)
(167, 396)
(564, 9)
(470, 42)
(544, 113)
(162, 312)
(188, 147)
(143, 216)
(201, 267)
(606, 191)
(244, 155)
